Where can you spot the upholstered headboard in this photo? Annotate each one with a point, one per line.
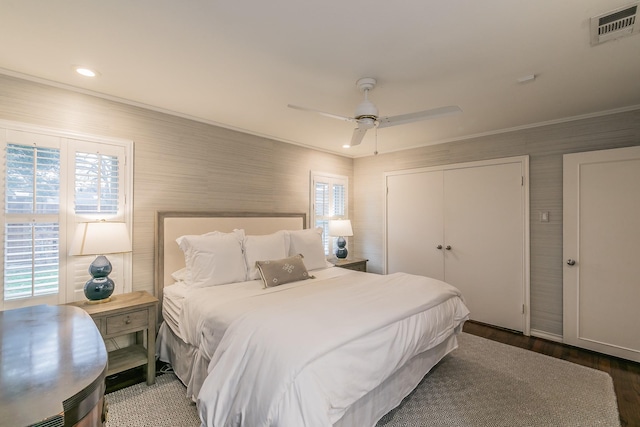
(171, 225)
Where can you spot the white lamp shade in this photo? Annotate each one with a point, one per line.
(100, 238)
(340, 228)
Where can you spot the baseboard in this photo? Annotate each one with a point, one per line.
(547, 336)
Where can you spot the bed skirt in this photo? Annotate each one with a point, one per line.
(187, 362)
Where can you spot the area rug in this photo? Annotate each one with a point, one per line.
(482, 383)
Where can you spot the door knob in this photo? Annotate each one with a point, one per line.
(439, 247)
(571, 261)
(448, 247)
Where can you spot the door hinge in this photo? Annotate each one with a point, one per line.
(522, 308)
(522, 181)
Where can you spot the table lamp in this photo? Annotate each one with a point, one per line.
(100, 238)
(340, 228)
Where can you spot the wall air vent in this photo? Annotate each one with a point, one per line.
(617, 23)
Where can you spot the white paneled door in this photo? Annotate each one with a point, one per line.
(415, 233)
(601, 248)
(465, 224)
(484, 224)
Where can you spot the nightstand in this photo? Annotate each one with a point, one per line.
(125, 314)
(357, 264)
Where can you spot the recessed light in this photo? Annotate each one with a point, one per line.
(346, 146)
(87, 72)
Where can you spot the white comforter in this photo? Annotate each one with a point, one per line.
(301, 355)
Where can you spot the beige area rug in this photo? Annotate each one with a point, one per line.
(482, 383)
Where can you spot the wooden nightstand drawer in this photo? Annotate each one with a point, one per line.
(360, 266)
(131, 321)
(355, 264)
(99, 324)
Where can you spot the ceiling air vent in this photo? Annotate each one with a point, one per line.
(612, 25)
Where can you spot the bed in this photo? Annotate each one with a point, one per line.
(290, 340)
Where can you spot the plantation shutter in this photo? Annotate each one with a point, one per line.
(329, 195)
(31, 221)
(339, 200)
(49, 184)
(97, 183)
(98, 194)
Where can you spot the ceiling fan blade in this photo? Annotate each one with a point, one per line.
(417, 116)
(333, 116)
(358, 134)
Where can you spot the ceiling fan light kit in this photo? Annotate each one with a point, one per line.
(366, 114)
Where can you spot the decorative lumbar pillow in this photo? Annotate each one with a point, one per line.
(266, 247)
(214, 258)
(281, 271)
(308, 242)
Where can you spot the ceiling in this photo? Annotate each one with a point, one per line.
(238, 64)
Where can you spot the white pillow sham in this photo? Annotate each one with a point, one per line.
(180, 275)
(308, 242)
(214, 258)
(262, 248)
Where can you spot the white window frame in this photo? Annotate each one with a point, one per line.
(331, 179)
(72, 269)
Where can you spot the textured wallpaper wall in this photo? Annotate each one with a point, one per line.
(180, 164)
(545, 145)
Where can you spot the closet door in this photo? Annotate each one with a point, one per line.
(414, 223)
(484, 233)
(466, 224)
(601, 247)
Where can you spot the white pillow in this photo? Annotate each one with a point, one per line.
(214, 258)
(179, 275)
(264, 248)
(308, 243)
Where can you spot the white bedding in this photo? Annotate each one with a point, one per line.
(207, 312)
(172, 302)
(303, 353)
(195, 316)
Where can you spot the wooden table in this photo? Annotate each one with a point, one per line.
(53, 364)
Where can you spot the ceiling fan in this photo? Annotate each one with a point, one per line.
(366, 114)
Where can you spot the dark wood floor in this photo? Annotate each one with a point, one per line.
(625, 374)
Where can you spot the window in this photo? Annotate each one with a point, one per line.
(329, 201)
(31, 232)
(51, 183)
(97, 183)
